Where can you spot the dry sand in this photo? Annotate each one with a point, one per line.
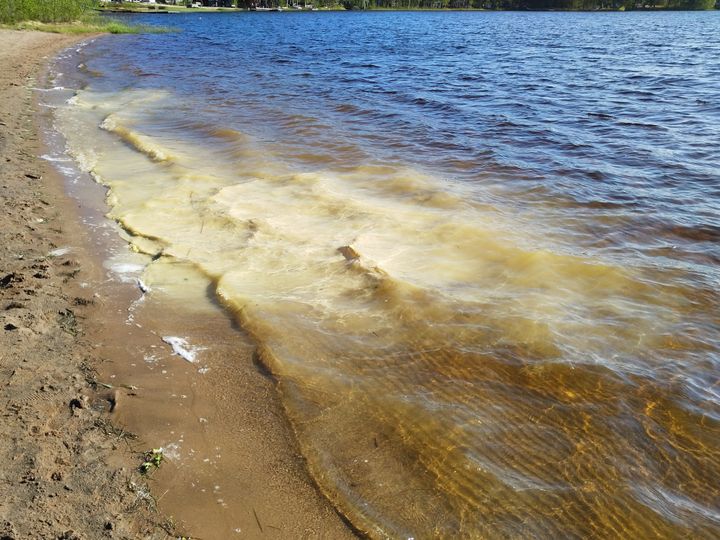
(69, 459)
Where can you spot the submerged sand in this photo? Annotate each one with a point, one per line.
(69, 461)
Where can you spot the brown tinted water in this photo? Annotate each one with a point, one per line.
(479, 252)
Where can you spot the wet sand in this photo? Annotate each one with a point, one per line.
(66, 471)
(83, 364)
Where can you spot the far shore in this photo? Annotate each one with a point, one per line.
(164, 9)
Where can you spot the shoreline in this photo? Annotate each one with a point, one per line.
(232, 467)
(454, 365)
(66, 473)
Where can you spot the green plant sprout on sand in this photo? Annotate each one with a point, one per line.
(152, 459)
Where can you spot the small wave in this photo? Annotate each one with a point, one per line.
(603, 205)
(348, 108)
(601, 115)
(699, 233)
(138, 141)
(674, 506)
(53, 89)
(643, 125)
(228, 134)
(315, 158)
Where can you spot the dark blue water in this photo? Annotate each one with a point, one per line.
(586, 109)
(480, 251)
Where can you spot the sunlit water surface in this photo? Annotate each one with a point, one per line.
(479, 251)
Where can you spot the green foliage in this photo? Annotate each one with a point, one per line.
(356, 4)
(90, 25)
(64, 17)
(151, 459)
(691, 4)
(532, 5)
(46, 11)
(76, 16)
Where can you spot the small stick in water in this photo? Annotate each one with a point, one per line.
(257, 519)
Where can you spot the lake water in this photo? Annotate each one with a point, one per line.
(480, 252)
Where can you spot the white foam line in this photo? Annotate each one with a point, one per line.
(135, 303)
(182, 348)
(55, 159)
(59, 252)
(127, 268)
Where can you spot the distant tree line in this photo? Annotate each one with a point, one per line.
(588, 5)
(530, 5)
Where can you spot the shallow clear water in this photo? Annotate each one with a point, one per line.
(479, 251)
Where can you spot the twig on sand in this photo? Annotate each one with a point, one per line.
(257, 520)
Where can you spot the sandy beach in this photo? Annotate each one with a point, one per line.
(71, 443)
(66, 473)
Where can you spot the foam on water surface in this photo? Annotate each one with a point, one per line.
(182, 348)
(59, 252)
(458, 358)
